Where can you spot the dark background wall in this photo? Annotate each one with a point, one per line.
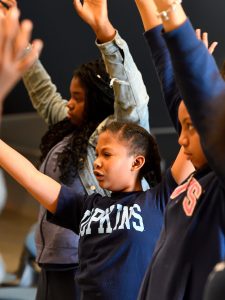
(70, 42)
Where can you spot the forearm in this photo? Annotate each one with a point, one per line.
(43, 94)
(131, 98)
(148, 12)
(104, 32)
(163, 65)
(41, 187)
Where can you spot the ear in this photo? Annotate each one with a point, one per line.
(138, 163)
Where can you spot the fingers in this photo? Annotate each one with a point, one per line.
(4, 6)
(14, 59)
(23, 38)
(14, 39)
(204, 38)
(29, 59)
(77, 5)
(212, 47)
(9, 30)
(11, 3)
(198, 33)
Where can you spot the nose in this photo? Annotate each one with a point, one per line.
(183, 140)
(71, 104)
(97, 163)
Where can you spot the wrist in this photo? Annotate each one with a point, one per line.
(171, 14)
(105, 33)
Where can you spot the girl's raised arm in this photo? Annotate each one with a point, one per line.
(181, 167)
(43, 188)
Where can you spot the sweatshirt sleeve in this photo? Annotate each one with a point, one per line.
(164, 69)
(201, 86)
(43, 94)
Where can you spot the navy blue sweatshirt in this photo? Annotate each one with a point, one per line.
(117, 237)
(193, 237)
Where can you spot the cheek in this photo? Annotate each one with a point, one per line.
(81, 109)
(198, 152)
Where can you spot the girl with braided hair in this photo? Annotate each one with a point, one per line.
(98, 105)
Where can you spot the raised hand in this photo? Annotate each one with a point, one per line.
(5, 5)
(95, 14)
(14, 58)
(204, 38)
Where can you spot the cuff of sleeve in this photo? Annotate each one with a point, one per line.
(154, 38)
(182, 40)
(113, 45)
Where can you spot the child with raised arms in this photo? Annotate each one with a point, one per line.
(117, 233)
(193, 236)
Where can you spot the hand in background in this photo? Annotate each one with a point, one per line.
(14, 59)
(5, 5)
(95, 14)
(204, 38)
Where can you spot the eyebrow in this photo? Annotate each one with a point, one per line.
(4, 4)
(104, 148)
(74, 93)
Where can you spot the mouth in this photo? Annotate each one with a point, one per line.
(69, 116)
(99, 176)
(189, 155)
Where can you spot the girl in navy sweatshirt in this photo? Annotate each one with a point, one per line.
(117, 233)
(193, 235)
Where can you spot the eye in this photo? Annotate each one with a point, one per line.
(77, 97)
(190, 126)
(79, 100)
(106, 154)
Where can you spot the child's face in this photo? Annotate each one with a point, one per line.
(113, 164)
(76, 104)
(190, 139)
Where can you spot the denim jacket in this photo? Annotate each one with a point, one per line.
(131, 104)
(131, 98)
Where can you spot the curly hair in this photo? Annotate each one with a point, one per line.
(141, 142)
(99, 103)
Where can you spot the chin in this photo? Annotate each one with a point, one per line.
(72, 121)
(104, 186)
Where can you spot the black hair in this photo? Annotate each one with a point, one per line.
(99, 103)
(141, 142)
